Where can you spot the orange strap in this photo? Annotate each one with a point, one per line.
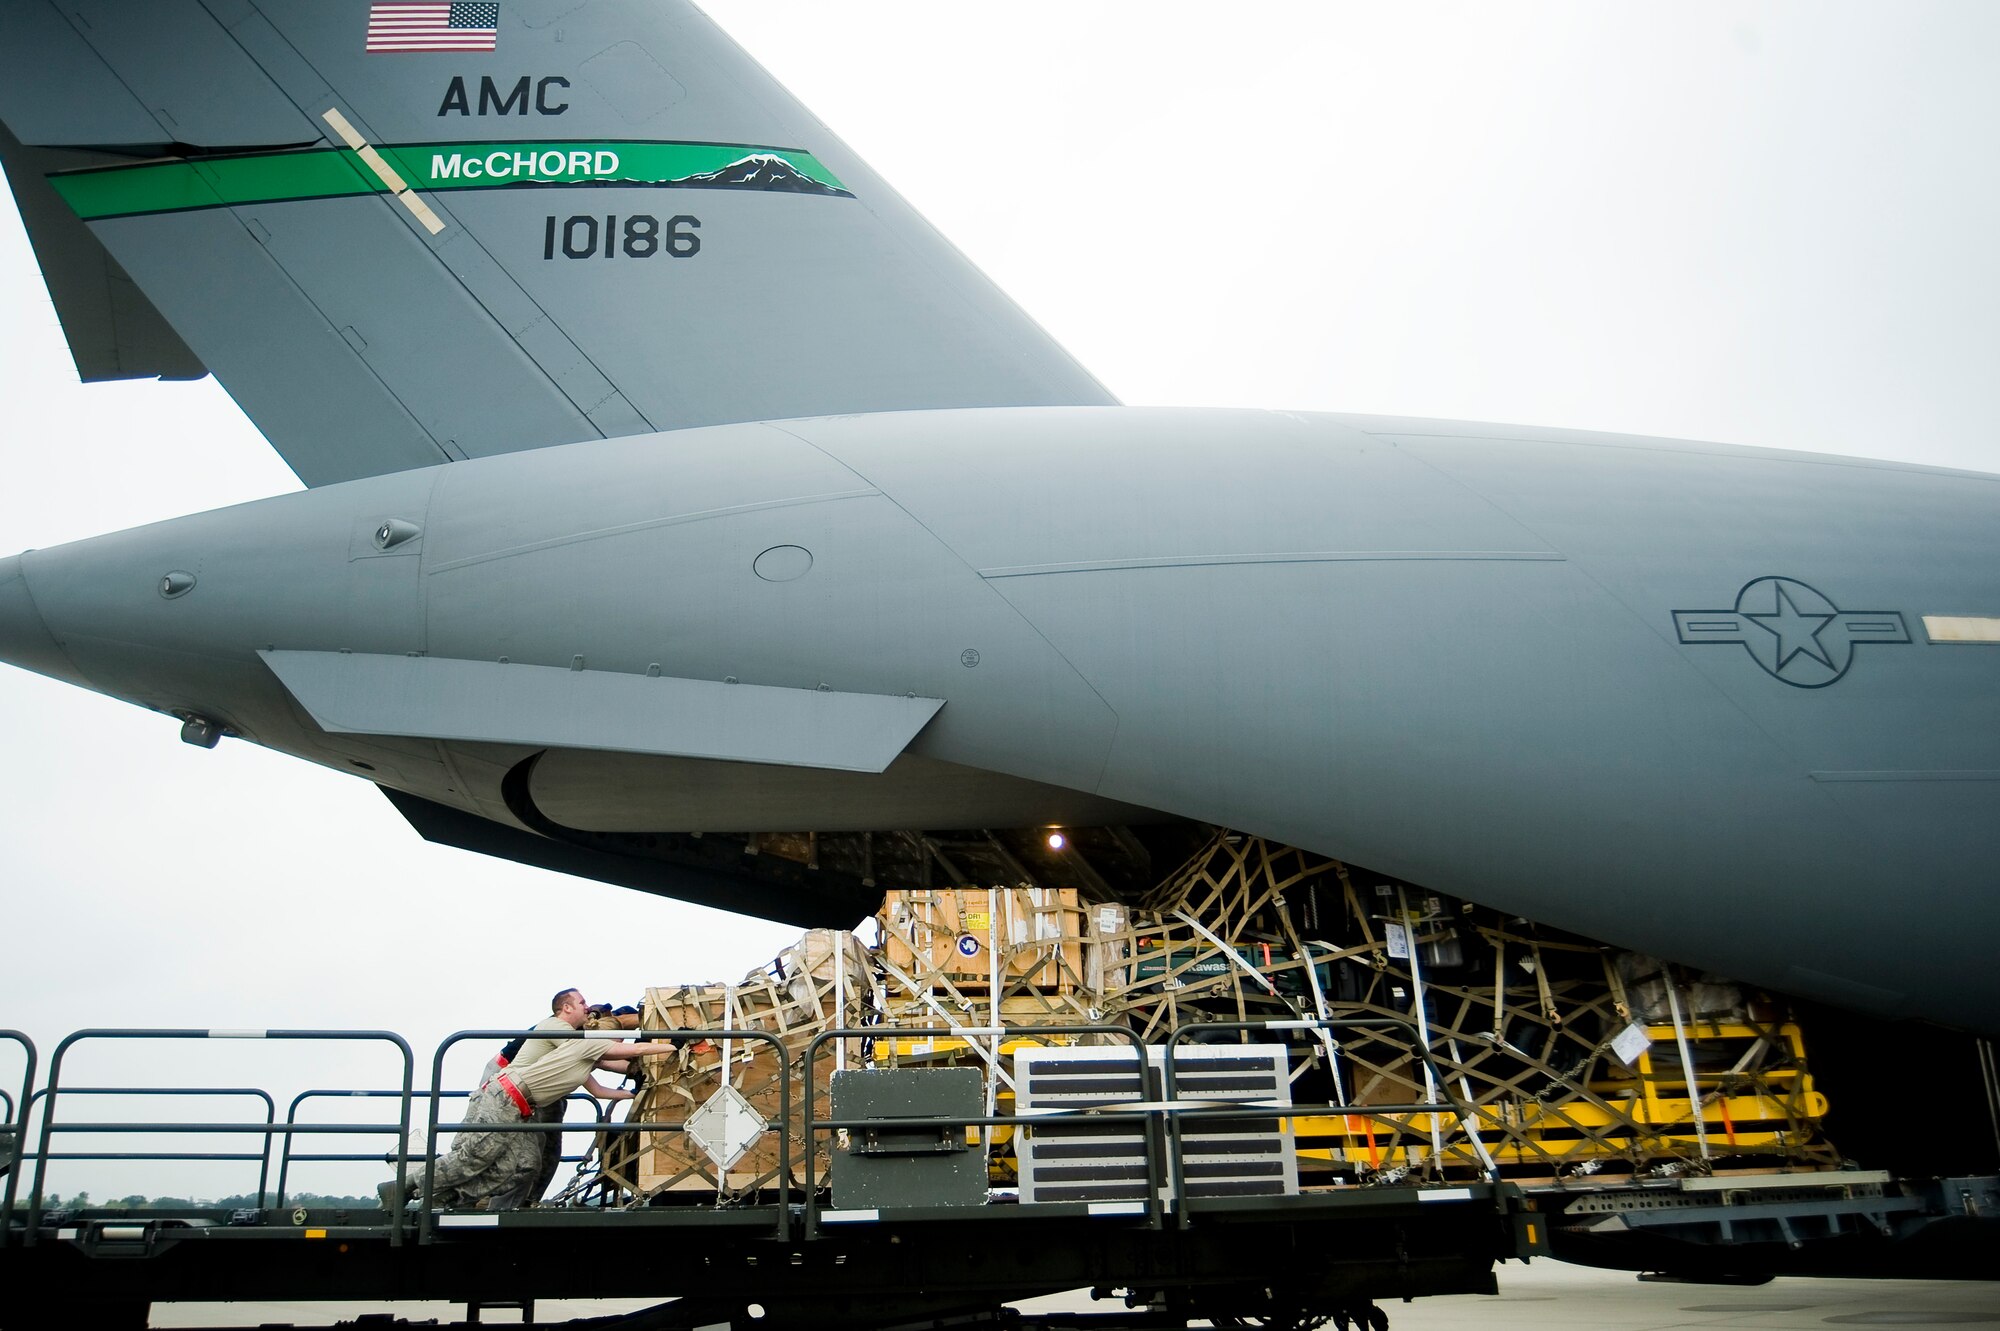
(1367, 1127)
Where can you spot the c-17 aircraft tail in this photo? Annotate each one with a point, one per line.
(406, 232)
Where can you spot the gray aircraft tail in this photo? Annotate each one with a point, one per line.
(409, 231)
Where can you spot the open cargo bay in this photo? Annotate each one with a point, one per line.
(1564, 1061)
(1267, 1085)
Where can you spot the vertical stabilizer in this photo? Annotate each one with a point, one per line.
(403, 232)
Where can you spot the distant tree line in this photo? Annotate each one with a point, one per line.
(241, 1201)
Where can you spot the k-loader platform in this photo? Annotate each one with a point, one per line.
(1152, 1184)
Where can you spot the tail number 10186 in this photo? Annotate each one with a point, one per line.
(609, 236)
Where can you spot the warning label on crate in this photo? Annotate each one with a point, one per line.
(978, 921)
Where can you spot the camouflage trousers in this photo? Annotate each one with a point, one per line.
(531, 1190)
(484, 1167)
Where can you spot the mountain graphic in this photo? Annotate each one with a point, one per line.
(761, 171)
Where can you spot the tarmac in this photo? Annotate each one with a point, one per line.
(1538, 1296)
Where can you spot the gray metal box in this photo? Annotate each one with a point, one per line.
(887, 1167)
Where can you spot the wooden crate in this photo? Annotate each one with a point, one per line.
(820, 983)
(952, 935)
(1037, 1008)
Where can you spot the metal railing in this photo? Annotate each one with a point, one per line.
(426, 1219)
(287, 1156)
(1158, 1109)
(219, 1092)
(267, 1130)
(17, 1148)
(1239, 1110)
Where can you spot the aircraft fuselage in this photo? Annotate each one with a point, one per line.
(1683, 698)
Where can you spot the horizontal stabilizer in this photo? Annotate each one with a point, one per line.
(546, 707)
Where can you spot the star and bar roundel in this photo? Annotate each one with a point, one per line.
(1796, 634)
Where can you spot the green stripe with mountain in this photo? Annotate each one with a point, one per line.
(182, 185)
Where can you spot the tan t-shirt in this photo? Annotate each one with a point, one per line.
(534, 1049)
(561, 1068)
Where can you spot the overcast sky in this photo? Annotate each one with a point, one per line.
(1761, 223)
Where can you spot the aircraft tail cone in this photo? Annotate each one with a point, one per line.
(25, 640)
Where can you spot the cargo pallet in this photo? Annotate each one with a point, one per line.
(785, 1259)
(1579, 1061)
(1528, 1026)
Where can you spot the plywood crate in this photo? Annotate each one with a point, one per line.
(951, 934)
(904, 1012)
(821, 983)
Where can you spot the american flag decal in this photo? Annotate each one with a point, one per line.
(432, 25)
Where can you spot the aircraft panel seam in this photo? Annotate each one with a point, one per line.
(1688, 448)
(1645, 622)
(1966, 774)
(1117, 722)
(61, 641)
(560, 382)
(447, 452)
(1396, 441)
(130, 91)
(429, 218)
(1275, 557)
(678, 519)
